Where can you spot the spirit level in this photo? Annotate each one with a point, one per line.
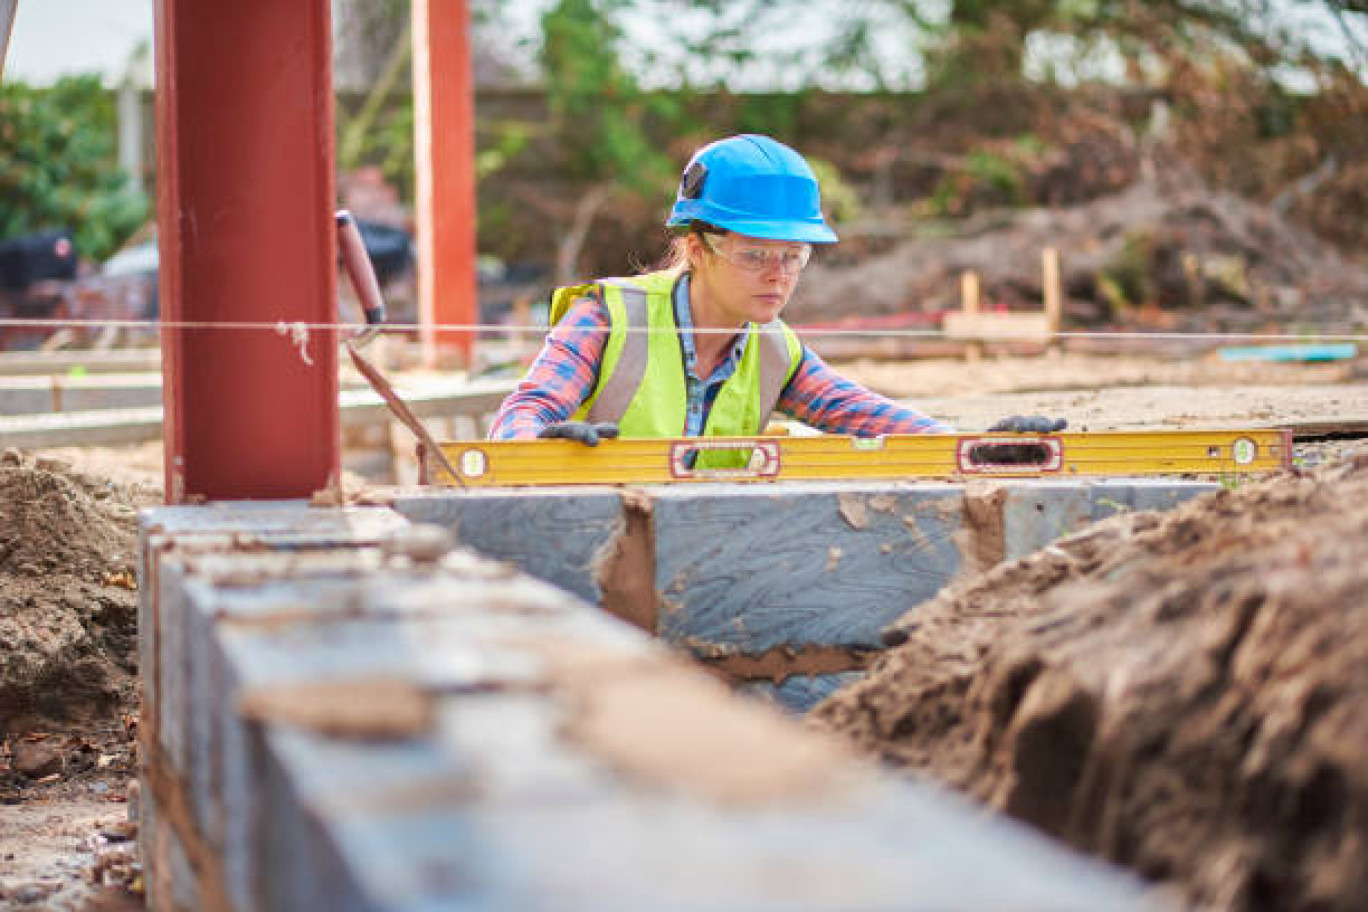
(839, 458)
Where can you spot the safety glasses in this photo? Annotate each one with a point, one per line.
(750, 257)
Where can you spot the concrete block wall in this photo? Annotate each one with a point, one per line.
(339, 716)
(783, 588)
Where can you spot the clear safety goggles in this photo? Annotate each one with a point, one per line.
(750, 257)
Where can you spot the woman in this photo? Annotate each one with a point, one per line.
(697, 348)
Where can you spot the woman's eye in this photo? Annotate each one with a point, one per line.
(756, 258)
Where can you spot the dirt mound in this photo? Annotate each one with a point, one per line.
(1185, 694)
(68, 605)
(1166, 252)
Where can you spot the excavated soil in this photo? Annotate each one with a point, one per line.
(1185, 694)
(68, 600)
(68, 684)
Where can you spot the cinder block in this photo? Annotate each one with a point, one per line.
(500, 804)
(748, 569)
(169, 878)
(225, 528)
(800, 693)
(1035, 512)
(1110, 497)
(553, 534)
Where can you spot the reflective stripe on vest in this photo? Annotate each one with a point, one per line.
(616, 391)
(771, 355)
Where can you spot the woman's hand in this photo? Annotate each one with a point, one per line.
(582, 431)
(1029, 424)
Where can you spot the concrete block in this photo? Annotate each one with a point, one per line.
(746, 569)
(503, 802)
(256, 629)
(553, 534)
(169, 878)
(277, 525)
(884, 847)
(800, 693)
(1113, 496)
(221, 528)
(1038, 511)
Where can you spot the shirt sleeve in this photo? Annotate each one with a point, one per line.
(820, 397)
(562, 376)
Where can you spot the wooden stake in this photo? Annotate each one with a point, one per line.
(969, 303)
(1054, 296)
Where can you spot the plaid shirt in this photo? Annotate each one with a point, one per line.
(566, 370)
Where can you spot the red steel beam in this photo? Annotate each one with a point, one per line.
(444, 143)
(245, 216)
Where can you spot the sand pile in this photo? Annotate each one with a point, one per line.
(1184, 694)
(68, 600)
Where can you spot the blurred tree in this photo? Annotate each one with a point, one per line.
(372, 67)
(598, 116)
(58, 166)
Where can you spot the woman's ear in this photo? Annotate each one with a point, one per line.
(694, 248)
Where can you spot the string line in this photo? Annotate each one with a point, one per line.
(295, 327)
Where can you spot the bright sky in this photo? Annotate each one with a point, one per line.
(53, 37)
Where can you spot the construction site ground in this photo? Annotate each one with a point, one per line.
(948, 701)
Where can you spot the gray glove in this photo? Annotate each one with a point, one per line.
(586, 433)
(1029, 424)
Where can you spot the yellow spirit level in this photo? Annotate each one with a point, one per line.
(839, 458)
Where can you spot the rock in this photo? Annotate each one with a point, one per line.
(33, 893)
(422, 543)
(119, 831)
(48, 464)
(134, 798)
(36, 759)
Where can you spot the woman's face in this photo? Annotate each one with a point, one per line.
(747, 279)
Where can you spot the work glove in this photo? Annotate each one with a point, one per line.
(1029, 424)
(586, 433)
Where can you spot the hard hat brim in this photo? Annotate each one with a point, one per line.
(797, 232)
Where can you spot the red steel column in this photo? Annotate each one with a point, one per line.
(444, 143)
(245, 215)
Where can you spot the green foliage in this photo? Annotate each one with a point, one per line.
(58, 166)
(773, 115)
(598, 108)
(997, 174)
(1126, 281)
(510, 139)
(840, 200)
(984, 177)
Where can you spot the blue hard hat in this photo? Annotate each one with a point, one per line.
(752, 185)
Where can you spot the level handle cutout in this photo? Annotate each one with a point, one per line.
(755, 459)
(1010, 454)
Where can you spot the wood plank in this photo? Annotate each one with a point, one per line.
(123, 360)
(997, 326)
(114, 427)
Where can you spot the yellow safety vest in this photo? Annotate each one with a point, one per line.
(641, 384)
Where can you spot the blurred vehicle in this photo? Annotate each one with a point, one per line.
(35, 257)
(41, 278)
(34, 269)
